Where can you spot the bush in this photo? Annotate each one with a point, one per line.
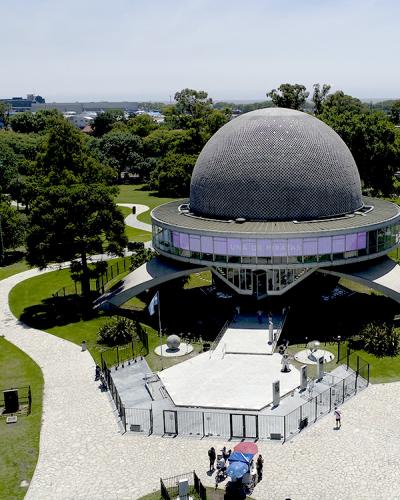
(118, 331)
(380, 339)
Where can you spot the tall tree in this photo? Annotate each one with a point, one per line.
(40, 121)
(319, 96)
(13, 227)
(72, 212)
(289, 96)
(339, 102)
(104, 121)
(122, 150)
(394, 113)
(5, 109)
(8, 167)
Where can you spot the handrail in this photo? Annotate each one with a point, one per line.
(218, 338)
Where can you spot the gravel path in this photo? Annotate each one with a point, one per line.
(83, 454)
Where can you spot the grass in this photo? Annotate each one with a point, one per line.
(132, 233)
(14, 268)
(67, 318)
(199, 279)
(138, 194)
(20, 441)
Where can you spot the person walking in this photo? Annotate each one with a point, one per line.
(338, 418)
(259, 316)
(259, 467)
(212, 456)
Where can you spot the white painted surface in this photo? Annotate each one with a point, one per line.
(132, 220)
(241, 381)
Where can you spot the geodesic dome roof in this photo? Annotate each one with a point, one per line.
(275, 164)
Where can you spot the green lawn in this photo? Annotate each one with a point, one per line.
(20, 441)
(10, 270)
(30, 301)
(137, 194)
(132, 233)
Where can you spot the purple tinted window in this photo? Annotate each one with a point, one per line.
(185, 241)
(176, 241)
(249, 247)
(234, 247)
(338, 244)
(351, 242)
(310, 246)
(194, 243)
(206, 244)
(295, 247)
(220, 246)
(264, 248)
(361, 240)
(324, 245)
(279, 248)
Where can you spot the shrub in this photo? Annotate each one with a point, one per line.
(380, 339)
(118, 331)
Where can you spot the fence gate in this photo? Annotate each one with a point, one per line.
(170, 422)
(244, 426)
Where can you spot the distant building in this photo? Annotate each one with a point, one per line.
(80, 120)
(19, 104)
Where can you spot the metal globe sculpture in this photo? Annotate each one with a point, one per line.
(313, 346)
(173, 342)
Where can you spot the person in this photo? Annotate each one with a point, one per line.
(259, 467)
(212, 455)
(225, 454)
(98, 371)
(270, 317)
(221, 464)
(338, 418)
(259, 316)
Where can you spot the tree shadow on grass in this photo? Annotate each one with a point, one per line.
(59, 311)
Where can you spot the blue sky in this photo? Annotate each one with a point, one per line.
(148, 49)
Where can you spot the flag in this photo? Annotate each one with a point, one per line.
(153, 303)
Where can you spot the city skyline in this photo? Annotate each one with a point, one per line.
(74, 51)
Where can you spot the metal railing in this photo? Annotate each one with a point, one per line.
(97, 284)
(280, 328)
(114, 392)
(169, 487)
(218, 338)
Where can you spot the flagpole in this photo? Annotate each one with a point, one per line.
(159, 327)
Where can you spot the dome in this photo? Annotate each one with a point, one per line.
(275, 164)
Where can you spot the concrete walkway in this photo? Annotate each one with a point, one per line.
(132, 220)
(84, 456)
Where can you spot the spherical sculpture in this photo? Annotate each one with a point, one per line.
(313, 346)
(275, 164)
(173, 342)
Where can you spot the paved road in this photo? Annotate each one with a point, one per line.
(84, 456)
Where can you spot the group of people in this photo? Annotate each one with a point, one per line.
(223, 459)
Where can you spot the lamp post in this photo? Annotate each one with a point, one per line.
(338, 340)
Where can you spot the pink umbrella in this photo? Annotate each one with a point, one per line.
(246, 447)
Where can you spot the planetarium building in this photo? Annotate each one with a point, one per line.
(275, 195)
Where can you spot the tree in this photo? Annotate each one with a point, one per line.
(319, 96)
(28, 122)
(394, 114)
(195, 103)
(339, 103)
(12, 227)
(142, 125)
(172, 175)
(164, 141)
(72, 212)
(8, 167)
(140, 257)
(373, 141)
(121, 150)
(5, 109)
(104, 121)
(289, 96)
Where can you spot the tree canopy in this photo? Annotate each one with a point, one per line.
(72, 212)
(289, 96)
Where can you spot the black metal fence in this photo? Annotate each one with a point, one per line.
(98, 284)
(123, 355)
(24, 398)
(113, 391)
(169, 487)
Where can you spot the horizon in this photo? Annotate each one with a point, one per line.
(78, 51)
